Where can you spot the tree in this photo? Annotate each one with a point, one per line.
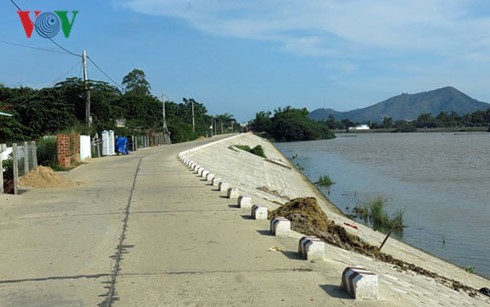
(331, 122)
(225, 123)
(426, 120)
(136, 82)
(387, 122)
(262, 122)
(290, 124)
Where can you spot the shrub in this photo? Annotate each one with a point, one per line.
(325, 181)
(8, 166)
(47, 154)
(374, 213)
(257, 150)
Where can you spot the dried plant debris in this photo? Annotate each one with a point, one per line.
(273, 192)
(308, 218)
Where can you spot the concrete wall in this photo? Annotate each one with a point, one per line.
(85, 149)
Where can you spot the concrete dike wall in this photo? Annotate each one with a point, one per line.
(270, 182)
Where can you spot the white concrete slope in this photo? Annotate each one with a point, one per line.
(145, 230)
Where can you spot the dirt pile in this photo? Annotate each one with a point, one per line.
(44, 177)
(308, 218)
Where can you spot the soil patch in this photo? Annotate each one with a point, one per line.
(308, 218)
(45, 177)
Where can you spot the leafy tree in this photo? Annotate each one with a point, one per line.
(331, 122)
(262, 122)
(404, 126)
(387, 122)
(290, 124)
(136, 82)
(426, 120)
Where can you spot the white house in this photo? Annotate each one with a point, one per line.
(363, 127)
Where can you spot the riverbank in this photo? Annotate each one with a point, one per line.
(144, 230)
(271, 184)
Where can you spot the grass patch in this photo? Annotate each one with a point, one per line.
(374, 214)
(325, 181)
(257, 150)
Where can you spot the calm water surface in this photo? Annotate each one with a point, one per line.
(441, 181)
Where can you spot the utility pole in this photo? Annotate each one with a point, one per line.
(166, 133)
(87, 88)
(193, 121)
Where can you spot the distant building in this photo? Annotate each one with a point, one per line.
(359, 128)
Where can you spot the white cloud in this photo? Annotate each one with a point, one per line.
(428, 26)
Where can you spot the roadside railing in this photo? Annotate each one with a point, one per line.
(15, 162)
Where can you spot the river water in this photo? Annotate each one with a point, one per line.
(441, 181)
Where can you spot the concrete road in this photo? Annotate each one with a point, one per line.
(143, 230)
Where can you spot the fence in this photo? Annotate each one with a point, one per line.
(135, 142)
(23, 158)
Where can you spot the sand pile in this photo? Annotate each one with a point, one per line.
(44, 177)
(308, 218)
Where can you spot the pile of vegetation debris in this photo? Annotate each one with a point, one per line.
(308, 218)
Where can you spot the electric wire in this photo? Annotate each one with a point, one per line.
(100, 69)
(39, 91)
(16, 5)
(35, 48)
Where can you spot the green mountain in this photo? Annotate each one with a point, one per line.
(409, 106)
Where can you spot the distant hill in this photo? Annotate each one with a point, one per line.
(409, 106)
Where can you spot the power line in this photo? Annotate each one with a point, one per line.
(52, 84)
(35, 48)
(58, 45)
(16, 5)
(100, 69)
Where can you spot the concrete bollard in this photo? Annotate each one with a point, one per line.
(360, 283)
(195, 167)
(311, 248)
(204, 174)
(281, 226)
(223, 186)
(209, 177)
(244, 202)
(216, 181)
(201, 171)
(232, 193)
(259, 213)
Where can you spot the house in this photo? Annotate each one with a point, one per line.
(363, 127)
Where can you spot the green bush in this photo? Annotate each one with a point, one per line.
(8, 166)
(374, 213)
(47, 154)
(257, 150)
(325, 181)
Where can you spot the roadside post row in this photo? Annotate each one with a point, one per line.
(357, 281)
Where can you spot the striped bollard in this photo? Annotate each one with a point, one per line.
(223, 186)
(232, 193)
(244, 202)
(281, 226)
(259, 213)
(311, 248)
(360, 283)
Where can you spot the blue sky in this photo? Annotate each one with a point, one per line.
(244, 56)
